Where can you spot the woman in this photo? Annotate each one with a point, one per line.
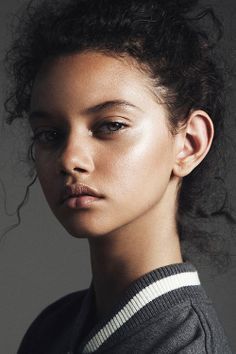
(125, 103)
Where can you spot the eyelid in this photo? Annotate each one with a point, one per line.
(114, 117)
(111, 119)
(36, 135)
(99, 122)
(121, 126)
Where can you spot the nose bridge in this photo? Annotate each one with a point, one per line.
(76, 153)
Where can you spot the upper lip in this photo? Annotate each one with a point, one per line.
(76, 190)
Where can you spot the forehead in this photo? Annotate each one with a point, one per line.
(92, 75)
(94, 61)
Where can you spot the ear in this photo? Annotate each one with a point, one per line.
(193, 143)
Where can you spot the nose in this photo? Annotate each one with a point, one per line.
(76, 155)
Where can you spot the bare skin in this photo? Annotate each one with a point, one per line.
(116, 263)
(137, 168)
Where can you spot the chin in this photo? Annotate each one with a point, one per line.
(85, 232)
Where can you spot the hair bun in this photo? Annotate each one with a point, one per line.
(179, 6)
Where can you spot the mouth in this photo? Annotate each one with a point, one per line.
(81, 201)
(79, 196)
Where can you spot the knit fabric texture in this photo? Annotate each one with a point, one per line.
(166, 311)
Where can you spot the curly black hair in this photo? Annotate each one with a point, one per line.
(175, 42)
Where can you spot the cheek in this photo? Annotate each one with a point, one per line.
(141, 166)
(46, 174)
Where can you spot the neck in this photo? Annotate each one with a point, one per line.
(120, 258)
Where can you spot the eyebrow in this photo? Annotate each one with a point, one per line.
(94, 109)
(110, 104)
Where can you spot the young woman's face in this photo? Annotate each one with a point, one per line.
(97, 123)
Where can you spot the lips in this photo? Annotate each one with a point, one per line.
(79, 190)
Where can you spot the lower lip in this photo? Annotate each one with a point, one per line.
(84, 201)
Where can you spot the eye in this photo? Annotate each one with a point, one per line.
(46, 137)
(111, 127)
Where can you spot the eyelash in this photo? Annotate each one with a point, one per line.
(36, 137)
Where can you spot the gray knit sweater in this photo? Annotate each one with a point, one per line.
(166, 311)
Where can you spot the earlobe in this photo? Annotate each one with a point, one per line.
(193, 143)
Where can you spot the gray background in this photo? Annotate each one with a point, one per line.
(39, 261)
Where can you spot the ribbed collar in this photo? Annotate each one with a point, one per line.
(150, 294)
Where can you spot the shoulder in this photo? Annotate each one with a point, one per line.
(54, 321)
(214, 336)
(188, 327)
(192, 327)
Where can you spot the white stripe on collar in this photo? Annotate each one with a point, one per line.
(142, 298)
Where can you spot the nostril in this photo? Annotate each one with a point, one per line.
(74, 161)
(72, 171)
